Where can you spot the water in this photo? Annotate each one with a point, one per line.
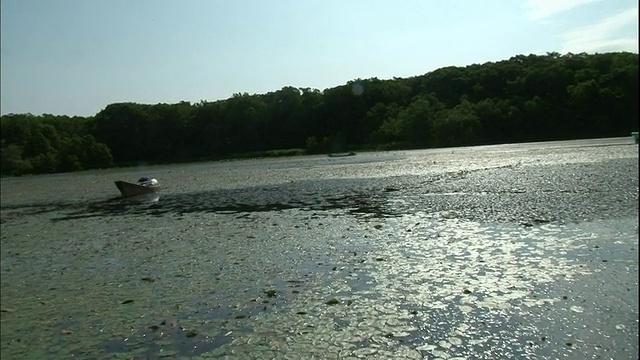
(515, 251)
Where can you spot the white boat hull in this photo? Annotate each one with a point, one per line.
(130, 189)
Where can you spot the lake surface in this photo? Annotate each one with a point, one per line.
(491, 252)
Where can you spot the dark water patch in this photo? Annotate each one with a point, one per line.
(229, 315)
(212, 324)
(317, 196)
(165, 339)
(529, 196)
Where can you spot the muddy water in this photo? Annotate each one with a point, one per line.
(513, 251)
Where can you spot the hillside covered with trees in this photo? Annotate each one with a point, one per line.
(524, 98)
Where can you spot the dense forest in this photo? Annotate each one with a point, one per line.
(525, 98)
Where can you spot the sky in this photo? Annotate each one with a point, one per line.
(75, 57)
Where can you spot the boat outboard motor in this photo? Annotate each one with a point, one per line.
(147, 181)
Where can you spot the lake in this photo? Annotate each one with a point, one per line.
(488, 252)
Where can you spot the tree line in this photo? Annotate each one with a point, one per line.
(524, 98)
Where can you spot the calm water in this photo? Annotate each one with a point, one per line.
(513, 251)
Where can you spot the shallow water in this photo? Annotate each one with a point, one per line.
(513, 251)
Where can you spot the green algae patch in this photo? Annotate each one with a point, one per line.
(333, 301)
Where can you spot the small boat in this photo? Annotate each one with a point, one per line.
(145, 185)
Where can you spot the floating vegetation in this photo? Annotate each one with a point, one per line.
(477, 258)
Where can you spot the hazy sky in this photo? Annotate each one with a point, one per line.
(74, 57)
